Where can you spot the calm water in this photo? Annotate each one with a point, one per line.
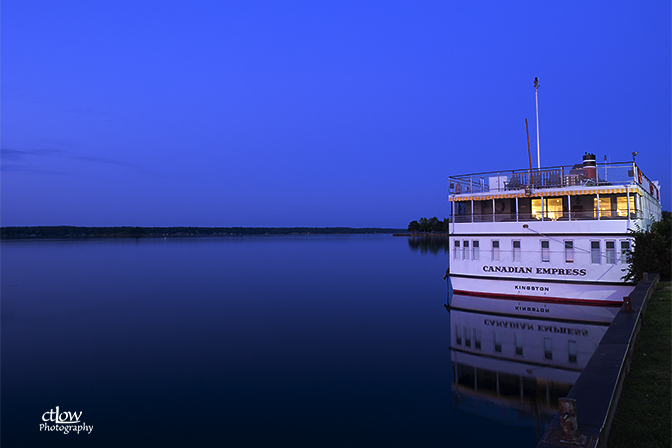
(245, 341)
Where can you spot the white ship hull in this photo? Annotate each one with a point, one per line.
(530, 290)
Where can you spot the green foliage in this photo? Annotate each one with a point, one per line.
(424, 225)
(651, 250)
(643, 413)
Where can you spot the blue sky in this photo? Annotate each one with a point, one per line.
(284, 113)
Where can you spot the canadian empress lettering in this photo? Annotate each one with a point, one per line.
(529, 270)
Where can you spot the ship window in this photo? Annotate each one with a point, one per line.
(611, 252)
(569, 251)
(571, 350)
(458, 334)
(465, 250)
(625, 248)
(519, 344)
(581, 207)
(605, 207)
(524, 210)
(467, 337)
(536, 208)
(477, 338)
(495, 250)
(498, 342)
(545, 251)
(456, 251)
(622, 205)
(516, 250)
(474, 250)
(548, 348)
(554, 208)
(463, 211)
(595, 252)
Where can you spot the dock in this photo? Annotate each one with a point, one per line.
(586, 414)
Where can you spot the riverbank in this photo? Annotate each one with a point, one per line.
(643, 415)
(591, 404)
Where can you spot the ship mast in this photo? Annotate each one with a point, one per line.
(536, 98)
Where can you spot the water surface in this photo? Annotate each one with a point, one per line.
(240, 341)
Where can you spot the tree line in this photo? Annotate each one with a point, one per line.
(433, 225)
(137, 232)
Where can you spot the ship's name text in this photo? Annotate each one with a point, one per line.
(536, 327)
(529, 270)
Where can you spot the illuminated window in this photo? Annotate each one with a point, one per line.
(553, 208)
(465, 250)
(611, 252)
(495, 250)
(595, 252)
(605, 207)
(516, 250)
(474, 250)
(622, 205)
(536, 208)
(625, 248)
(545, 251)
(456, 251)
(569, 251)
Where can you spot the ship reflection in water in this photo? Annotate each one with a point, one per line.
(512, 369)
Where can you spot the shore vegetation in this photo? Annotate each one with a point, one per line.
(138, 232)
(651, 251)
(643, 414)
(431, 225)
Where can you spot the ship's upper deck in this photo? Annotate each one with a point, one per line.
(551, 180)
(582, 191)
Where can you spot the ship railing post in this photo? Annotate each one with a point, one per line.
(627, 200)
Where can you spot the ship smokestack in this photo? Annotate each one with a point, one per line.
(589, 166)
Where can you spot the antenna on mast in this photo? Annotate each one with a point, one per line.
(536, 98)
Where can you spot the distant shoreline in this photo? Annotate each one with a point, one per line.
(37, 232)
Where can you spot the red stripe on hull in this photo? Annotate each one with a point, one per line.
(609, 303)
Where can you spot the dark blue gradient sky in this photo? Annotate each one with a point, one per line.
(345, 113)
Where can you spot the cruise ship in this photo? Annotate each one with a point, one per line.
(548, 236)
